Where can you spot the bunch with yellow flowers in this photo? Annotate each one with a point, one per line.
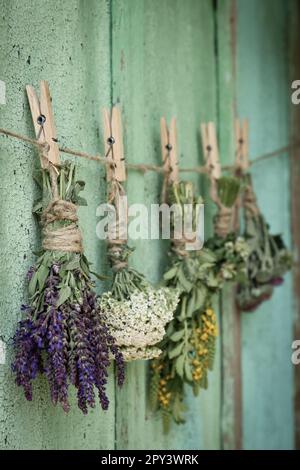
(190, 341)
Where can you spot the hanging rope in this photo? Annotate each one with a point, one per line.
(145, 167)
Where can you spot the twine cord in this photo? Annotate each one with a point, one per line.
(223, 218)
(67, 237)
(115, 245)
(146, 167)
(178, 247)
(250, 202)
(222, 221)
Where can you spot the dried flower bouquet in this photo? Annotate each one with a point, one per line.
(269, 258)
(136, 311)
(189, 346)
(64, 334)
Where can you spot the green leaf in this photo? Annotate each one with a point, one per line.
(200, 296)
(190, 304)
(79, 186)
(212, 280)
(179, 364)
(207, 256)
(171, 273)
(204, 381)
(38, 207)
(177, 335)
(64, 294)
(205, 267)
(185, 283)
(42, 274)
(178, 409)
(188, 370)
(33, 284)
(37, 253)
(72, 281)
(101, 277)
(176, 351)
(81, 201)
(183, 303)
(85, 266)
(47, 259)
(228, 190)
(73, 264)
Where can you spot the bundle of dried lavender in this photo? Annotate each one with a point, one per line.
(64, 335)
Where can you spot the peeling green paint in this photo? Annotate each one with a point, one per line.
(154, 57)
(267, 367)
(66, 43)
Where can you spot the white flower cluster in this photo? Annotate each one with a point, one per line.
(139, 323)
(242, 247)
(131, 353)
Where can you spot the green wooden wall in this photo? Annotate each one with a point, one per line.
(199, 60)
(267, 368)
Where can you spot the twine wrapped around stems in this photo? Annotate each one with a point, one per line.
(178, 247)
(223, 221)
(224, 218)
(116, 245)
(67, 236)
(250, 202)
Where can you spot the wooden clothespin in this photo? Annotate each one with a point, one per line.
(43, 121)
(210, 149)
(241, 145)
(241, 162)
(115, 169)
(113, 141)
(168, 139)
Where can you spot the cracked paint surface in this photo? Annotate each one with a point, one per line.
(67, 44)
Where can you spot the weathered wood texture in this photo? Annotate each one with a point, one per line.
(66, 43)
(294, 43)
(163, 64)
(231, 399)
(263, 95)
(199, 60)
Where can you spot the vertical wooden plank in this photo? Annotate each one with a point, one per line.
(231, 416)
(263, 95)
(294, 43)
(163, 65)
(66, 43)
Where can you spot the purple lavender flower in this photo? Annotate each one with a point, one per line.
(27, 359)
(30, 273)
(76, 341)
(25, 308)
(277, 281)
(55, 366)
(55, 268)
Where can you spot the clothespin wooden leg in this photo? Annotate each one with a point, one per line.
(211, 156)
(43, 121)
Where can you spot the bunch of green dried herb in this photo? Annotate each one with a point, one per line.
(64, 335)
(189, 345)
(228, 188)
(269, 258)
